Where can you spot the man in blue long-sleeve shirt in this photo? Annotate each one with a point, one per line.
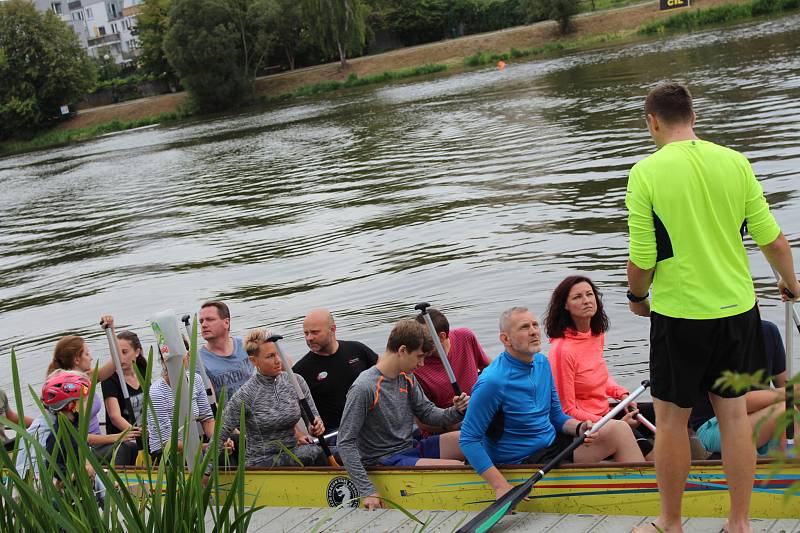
(515, 416)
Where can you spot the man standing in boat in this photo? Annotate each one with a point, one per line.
(689, 205)
(226, 361)
(512, 422)
(331, 365)
(378, 418)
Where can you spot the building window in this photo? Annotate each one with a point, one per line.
(89, 14)
(126, 23)
(56, 7)
(101, 30)
(77, 15)
(113, 10)
(114, 28)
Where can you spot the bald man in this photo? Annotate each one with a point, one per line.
(331, 365)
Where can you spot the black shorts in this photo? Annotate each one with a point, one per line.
(545, 455)
(688, 356)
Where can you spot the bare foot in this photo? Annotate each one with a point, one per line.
(743, 528)
(652, 527)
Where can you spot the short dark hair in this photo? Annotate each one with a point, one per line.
(440, 323)
(558, 319)
(222, 309)
(408, 333)
(670, 102)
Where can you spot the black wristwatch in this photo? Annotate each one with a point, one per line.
(636, 299)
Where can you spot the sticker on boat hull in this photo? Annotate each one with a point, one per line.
(342, 491)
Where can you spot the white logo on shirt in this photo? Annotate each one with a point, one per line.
(321, 376)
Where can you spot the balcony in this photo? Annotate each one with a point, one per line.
(104, 40)
(74, 6)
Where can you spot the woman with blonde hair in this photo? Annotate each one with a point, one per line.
(271, 411)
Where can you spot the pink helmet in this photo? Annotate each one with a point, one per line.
(59, 390)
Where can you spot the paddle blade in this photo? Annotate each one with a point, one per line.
(490, 516)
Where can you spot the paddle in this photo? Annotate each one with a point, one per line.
(646, 423)
(127, 406)
(423, 310)
(308, 414)
(171, 345)
(487, 518)
(789, 390)
(791, 313)
(212, 399)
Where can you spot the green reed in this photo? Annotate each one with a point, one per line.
(154, 498)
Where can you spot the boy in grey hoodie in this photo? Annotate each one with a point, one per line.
(378, 417)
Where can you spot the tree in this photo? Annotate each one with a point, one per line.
(218, 46)
(152, 24)
(560, 11)
(337, 26)
(290, 29)
(42, 67)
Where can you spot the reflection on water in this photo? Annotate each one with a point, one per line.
(473, 192)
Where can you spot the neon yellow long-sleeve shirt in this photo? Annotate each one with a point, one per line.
(688, 206)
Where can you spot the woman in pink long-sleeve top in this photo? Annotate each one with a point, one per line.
(576, 324)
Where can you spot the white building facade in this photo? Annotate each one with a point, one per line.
(104, 27)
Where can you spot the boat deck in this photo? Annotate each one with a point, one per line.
(307, 519)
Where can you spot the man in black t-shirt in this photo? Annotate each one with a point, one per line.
(331, 365)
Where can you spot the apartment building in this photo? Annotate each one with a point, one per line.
(104, 27)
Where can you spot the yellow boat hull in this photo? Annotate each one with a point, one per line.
(608, 489)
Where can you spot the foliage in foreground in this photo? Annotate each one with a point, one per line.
(745, 382)
(42, 67)
(726, 13)
(162, 498)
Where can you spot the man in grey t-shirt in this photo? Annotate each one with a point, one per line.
(224, 357)
(378, 416)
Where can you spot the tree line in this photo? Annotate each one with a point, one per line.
(216, 48)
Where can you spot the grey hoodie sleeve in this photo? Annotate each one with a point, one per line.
(355, 413)
(428, 413)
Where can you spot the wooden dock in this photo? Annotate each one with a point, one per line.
(307, 519)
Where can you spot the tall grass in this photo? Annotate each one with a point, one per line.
(723, 14)
(57, 138)
(156, 498)
(487, 58)
(354, 81)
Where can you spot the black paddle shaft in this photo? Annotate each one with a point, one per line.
(506, 503)
(422, 307)
(305, 408)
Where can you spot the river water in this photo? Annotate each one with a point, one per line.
(473, 192)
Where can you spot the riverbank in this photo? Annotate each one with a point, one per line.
(444, 57)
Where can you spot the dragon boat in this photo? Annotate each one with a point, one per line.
(602, 488)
